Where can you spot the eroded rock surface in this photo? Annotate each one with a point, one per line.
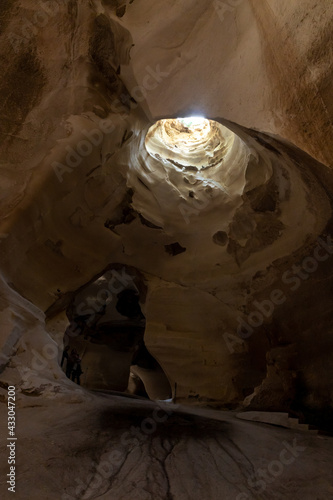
(118, 448)
(222, 227)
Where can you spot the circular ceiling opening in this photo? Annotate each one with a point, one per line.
(191, 142)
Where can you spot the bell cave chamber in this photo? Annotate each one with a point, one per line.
(166, 250)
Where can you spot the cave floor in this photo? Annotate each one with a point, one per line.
(87, 446)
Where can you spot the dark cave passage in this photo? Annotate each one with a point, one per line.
(105, 340)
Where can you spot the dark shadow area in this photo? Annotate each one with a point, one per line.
(164, 423)
(316, 418)
(104, 342)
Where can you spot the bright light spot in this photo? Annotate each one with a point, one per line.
(193, 121)
(190, 141)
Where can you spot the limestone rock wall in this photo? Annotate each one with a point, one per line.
(82, 86)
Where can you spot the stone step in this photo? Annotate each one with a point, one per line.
(276, 418)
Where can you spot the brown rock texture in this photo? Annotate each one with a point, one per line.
(166, 208)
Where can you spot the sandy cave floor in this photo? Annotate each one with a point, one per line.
(92, 446)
